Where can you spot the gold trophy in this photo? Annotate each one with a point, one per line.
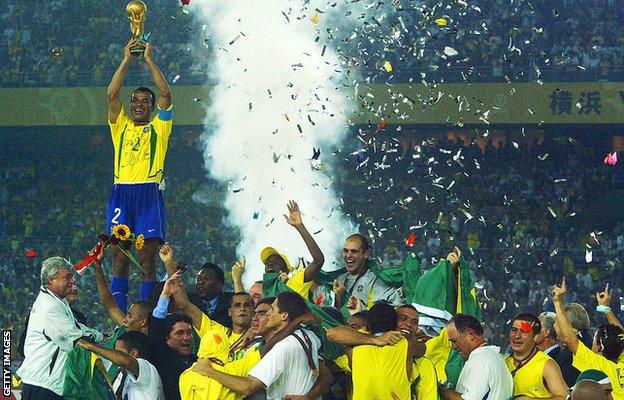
(136, 11)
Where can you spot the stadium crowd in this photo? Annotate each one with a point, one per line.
(507, 233)
(496, 41)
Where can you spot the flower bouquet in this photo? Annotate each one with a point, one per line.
(121, 237)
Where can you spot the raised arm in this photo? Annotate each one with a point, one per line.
(164, 101)
(114, 104)
(604, 299)
(294, 219)
(238, 269)
(182, 301)
(166, 254)
(115, 356)
(566, 332)
(350, 337)
(106, 297)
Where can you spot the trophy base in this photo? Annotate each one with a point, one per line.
(137, 51)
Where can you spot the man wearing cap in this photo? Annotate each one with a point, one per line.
(274, 261)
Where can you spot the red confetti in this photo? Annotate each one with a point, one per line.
(411, 239)
(185, 2)
(526, 327)
(383, 124)
(31, 253)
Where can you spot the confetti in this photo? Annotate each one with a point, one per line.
(31, 253)
(450, 52)
(526, 327)
(315, 18)
(185, 2)
(441, 22)
(588, 256)
(57, 52)
(611, 158)
(411, 239)
(383, 124)
(175, 79)
(387, 66)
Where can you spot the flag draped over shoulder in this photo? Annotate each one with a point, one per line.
(86, 376)
(272, 286)
(437, 295)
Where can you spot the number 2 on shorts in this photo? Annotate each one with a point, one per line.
(115, 219)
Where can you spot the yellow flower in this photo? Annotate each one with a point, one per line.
(139, 242)
(122, 232)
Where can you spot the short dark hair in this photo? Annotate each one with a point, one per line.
(611, 338)
(382, 317)
(361, 314)
(364, 243)
(145, 90)
(530, 318)
(173, 319)
(144, 307)
(335, 314)
(293, 304)
(137, 340)
(239, 294)
(463, 322)
(411, 307)
(217, 270)
(266, 300)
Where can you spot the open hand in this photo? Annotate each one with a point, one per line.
(166, 253)
(238, 269)
(294, 215)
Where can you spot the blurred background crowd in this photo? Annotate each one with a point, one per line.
(495, 41)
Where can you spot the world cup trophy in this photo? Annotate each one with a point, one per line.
(136, 11)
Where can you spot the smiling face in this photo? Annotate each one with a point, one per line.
(407, 320)
(241, 308)
(208, 284)
(255, 291)
(354, 256)
(141, 107)
(275, 318)
(275, 263)
(180, 338)
(521, 342)
(62, 283)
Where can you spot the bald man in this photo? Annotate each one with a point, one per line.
(588, 390)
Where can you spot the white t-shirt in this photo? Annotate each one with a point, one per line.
(147, 386)
(485, 376)
(284, 369)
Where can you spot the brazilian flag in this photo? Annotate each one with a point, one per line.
(86, 376)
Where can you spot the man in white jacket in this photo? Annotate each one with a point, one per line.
(51, 334)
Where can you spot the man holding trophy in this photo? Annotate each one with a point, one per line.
(140, 141)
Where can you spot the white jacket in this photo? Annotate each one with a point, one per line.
(51, 334)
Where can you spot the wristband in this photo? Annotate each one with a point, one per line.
(603, 309)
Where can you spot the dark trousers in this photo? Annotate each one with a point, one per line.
(31, 392)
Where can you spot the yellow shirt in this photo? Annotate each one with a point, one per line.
(194, 386)
(297, 284)
(585, 359)
(438, 349)
(424, 380)
(529, 380)
(378, 372)
(140, 150)
(208, 324)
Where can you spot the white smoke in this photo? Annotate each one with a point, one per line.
(278, 95)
